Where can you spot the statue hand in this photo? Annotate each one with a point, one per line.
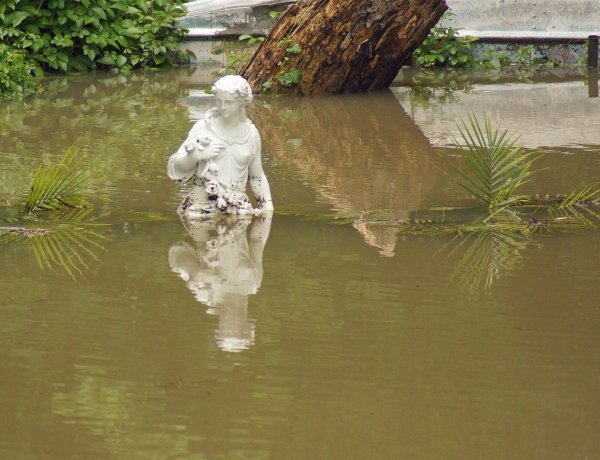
(217, 147)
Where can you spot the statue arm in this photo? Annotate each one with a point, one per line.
(258, 180)
(183, 163)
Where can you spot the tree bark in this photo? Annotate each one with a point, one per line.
(347, 45)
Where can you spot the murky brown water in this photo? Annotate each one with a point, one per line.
(342, 341)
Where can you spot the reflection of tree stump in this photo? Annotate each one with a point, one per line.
(347, 45)
(361, 152)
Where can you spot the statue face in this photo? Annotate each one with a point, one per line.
(228, 105)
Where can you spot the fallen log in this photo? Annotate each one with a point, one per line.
(340, 46)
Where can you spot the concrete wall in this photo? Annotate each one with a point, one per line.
(527, 18)
(482, 18)
(505, 24)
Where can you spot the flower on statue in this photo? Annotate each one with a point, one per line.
(212, 188)
(198, 142)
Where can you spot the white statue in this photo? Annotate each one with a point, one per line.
(223, 269)
(220, 154)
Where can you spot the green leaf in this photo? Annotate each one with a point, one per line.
(107, 60)
(32, 28)
(78, 63)
(294, 49)
(295, 75)
(99, 12)
(17, 17)
(123, 41)
(121, 60)
(133, 32)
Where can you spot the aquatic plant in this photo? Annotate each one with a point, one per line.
(497, 163)
(580, 195)
(63, 184)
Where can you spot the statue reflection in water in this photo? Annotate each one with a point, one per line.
(223, 269)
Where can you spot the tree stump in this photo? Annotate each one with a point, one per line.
(340, 46)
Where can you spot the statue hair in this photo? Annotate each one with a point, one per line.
(235, 85)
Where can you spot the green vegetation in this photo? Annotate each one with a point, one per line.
(78, 35)
(238, 53)
(63, 184)
(497, 164)
(239, 58)
(293, 75)
(443, 47)
(17, 74)
(251, 39)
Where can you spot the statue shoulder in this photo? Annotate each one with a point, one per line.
(253, 130)
(199, 128)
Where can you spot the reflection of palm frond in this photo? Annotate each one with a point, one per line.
(62, 184)
(66, 246)
(65, 249)
(498, 165)
(489, 255)
(65, 238)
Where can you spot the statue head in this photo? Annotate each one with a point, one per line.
(233, 94)
(235, 86)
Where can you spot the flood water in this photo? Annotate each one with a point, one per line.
(300, 337)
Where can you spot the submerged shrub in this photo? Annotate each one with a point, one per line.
(77, 35)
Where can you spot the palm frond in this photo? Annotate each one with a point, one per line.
(581, 194)
(62, 185)
(496, 164)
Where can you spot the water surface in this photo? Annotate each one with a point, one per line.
(296, 338)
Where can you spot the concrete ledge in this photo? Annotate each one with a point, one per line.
(526, 36)
(205, 32)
